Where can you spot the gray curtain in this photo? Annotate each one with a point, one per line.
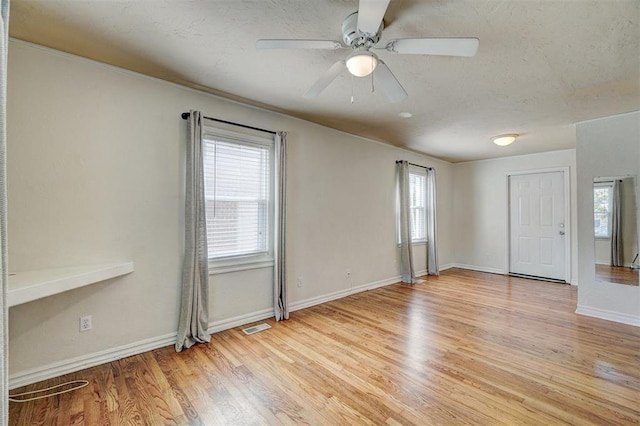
(194, 308)
(432, 237)
(280, 305)
(4, 308)
(404, 213)
(616, 226)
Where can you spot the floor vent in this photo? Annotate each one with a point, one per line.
(256, 328)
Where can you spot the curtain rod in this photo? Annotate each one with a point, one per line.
(185, 115)
(414, 164)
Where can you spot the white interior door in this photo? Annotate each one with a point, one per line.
(537, 225)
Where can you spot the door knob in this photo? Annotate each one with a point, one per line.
(561, 232)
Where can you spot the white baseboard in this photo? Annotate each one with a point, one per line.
(72, 365)
(307, 303)
(478, 268)
(228, 323)
(447, 266)
(56, 369)
(608, 315)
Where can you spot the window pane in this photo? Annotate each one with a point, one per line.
(237, 198)
(417, 223)
(417, 205)
(602, 211)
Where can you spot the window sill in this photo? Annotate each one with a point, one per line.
(602, 237)
(216, 268)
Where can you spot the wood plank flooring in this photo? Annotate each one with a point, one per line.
(462, 348)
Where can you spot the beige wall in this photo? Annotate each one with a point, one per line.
(608, 146)
(96, 175)
(480, 207)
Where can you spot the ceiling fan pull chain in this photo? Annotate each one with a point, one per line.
(352, 89)
(373, 89)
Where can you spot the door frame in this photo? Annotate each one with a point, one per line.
(567, 209)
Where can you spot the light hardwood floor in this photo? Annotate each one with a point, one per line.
(462, 348)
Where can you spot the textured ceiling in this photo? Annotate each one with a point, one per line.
(542, 65)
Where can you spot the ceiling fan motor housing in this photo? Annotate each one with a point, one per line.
(353, 37)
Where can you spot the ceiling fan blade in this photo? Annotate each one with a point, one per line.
(370, 14)
(435, 46)
(384, 78)
(325, 80)
(298, 44)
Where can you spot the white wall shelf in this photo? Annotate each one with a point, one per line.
(32, 285)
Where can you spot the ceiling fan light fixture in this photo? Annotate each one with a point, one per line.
(504, 140)
(361, 63)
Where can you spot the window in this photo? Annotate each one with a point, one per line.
(238, 194)
(418, 204)
(602, 193)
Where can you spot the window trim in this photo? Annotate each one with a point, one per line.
(262, 259)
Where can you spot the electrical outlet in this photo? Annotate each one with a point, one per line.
(85, 323)
(299, 282)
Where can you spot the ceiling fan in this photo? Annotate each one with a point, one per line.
(361, 32)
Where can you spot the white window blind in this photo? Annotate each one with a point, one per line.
(237, 188)
(417, 201)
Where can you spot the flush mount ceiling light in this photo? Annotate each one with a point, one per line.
(362, 62)
(504, 140)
